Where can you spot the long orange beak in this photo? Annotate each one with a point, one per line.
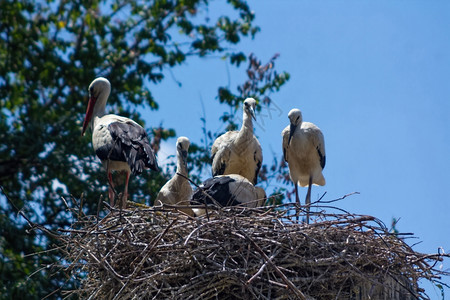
(89, 111)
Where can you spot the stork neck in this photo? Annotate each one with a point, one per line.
(100, 104)
(181, 165)
(99, 108)
(247, 126)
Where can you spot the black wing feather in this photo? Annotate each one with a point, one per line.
(221, 169)
(132, 146)
(258, 167)
(322, 158)
(217, 188)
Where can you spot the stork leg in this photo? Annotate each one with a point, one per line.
(308, 199)
(297, 200)
(111, 191)
(125, 191)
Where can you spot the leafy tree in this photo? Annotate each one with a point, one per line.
(49, 53)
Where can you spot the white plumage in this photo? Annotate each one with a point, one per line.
(304, 151)
(228, 190)
(178, 191)
(238, 152)
(120, 143)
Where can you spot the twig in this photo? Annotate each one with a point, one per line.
(262, 268)
(30, 223)
(334, 200)
(296, 291)
(203, 191)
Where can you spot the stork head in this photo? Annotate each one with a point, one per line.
(98, 89)
(183, 147)
(249, 107)
(295, 118)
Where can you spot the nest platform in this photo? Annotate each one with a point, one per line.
(241, 253)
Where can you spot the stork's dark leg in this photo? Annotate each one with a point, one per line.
(297, 200)
(308, 199)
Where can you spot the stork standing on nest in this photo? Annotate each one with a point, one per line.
(120, 143)
(238, 152)
(177, 190)
(304, 151)
(228, 190)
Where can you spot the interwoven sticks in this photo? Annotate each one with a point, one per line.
(241, 253)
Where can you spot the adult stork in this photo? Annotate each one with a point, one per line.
(120, 143)
(228, 190)
(177, 190)
(238, 152)
(304, 151)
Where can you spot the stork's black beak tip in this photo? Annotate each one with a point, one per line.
(291, 132)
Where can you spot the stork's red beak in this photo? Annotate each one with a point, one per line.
(89, 111)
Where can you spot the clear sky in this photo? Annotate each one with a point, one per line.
(374, 76)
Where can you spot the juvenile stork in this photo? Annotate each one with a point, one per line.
(304, 151)
(228, 190)
(177, 190)
(238, 152)
(120, 143)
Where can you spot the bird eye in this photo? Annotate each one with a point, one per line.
(297, 118)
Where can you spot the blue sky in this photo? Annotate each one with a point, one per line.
(374, 76)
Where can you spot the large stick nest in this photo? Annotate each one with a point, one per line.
(241, 253)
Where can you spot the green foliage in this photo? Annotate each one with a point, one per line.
(49, 53)
(441, 289)
(276, 197)
(394, 229)
(262, 81)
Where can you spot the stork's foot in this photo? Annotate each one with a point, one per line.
(308, 200)
(123, 201)
(297, 200)
(307, 208)
(111, 194)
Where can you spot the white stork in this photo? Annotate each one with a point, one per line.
(304, 151)
(177, 190)
(120, 143)
(238, 152)
(228, 190)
